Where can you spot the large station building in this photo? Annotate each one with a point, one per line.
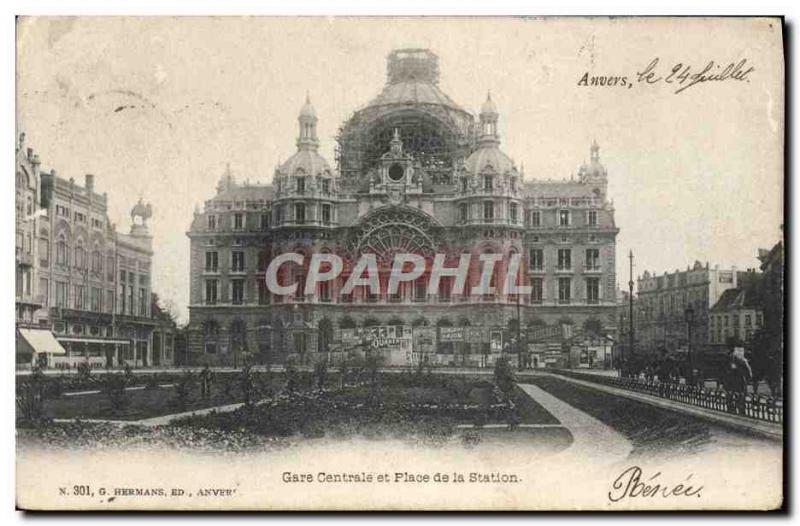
(414, 172)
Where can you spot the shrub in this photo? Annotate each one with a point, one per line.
(504, 375)
(84, 372)
(291, 377)
(246, 384)
(55, 387)
(183, 388)
(114, 388)
(226, 385)
(320, 373)
(31, 398)
(128, 371)
(343, 373)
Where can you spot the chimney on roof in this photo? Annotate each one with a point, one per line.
(89, 183)
(30, 153)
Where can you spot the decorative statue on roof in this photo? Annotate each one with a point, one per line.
(140, 213)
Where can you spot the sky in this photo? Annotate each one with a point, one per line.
(696, 175)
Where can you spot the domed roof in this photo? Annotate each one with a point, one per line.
(488, 107)
(486, 157)
(413, 92)
(308, 110)
(413, 78)
(306, 161)
(594, 168)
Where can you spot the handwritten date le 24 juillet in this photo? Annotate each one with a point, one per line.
(680, 75)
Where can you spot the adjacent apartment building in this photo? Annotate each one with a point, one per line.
(83, 288)
(672, 306)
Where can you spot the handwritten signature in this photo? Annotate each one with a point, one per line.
(629, 484)
(684, 76)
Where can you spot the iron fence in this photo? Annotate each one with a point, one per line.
(750, 405)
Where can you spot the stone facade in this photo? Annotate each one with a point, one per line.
(78, 276)
(414, 173)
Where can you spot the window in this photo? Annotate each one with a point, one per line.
(263, 293)
(109, 304)
(444, 290)
(301, 185)
(110, 268)
(512, 212)
(123, 302)
(212, 222)
(300, 212)
(326, 186)
(564, 259)
(264, 221)
(97, 262)
(61, 252)
(211, 291)
(43, 290)
(80, 296)
(237, 291)
(537, 290)
(592, 259)
(592, 290)
(464, 184)
(80, 257)
(80, 217)
(420, 290)
(563, 218)
(536, 256)
(462, 212)
(564, 290)
(96, 299)
(488, 183)
(279, 214)
(326, 214)
(143, 302)
(62, 211)
(238, 221)
(536, 218)
(130, 299)
(488, 211)
(212, 261)
(61, 294)
(748, 321)
(591, 218)
(299, 342)
(44, 257)
(237, 261)
(325, 291)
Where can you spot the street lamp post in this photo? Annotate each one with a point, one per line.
(689, 314)
(630, 314)
(521, 361)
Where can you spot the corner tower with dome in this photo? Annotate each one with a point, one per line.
(413, 172)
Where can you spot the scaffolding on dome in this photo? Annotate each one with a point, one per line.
(366, 136)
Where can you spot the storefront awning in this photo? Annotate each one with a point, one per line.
(42, 341)
(93, 340)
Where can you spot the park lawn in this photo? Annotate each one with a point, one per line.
(651, 430)
(144, 403)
